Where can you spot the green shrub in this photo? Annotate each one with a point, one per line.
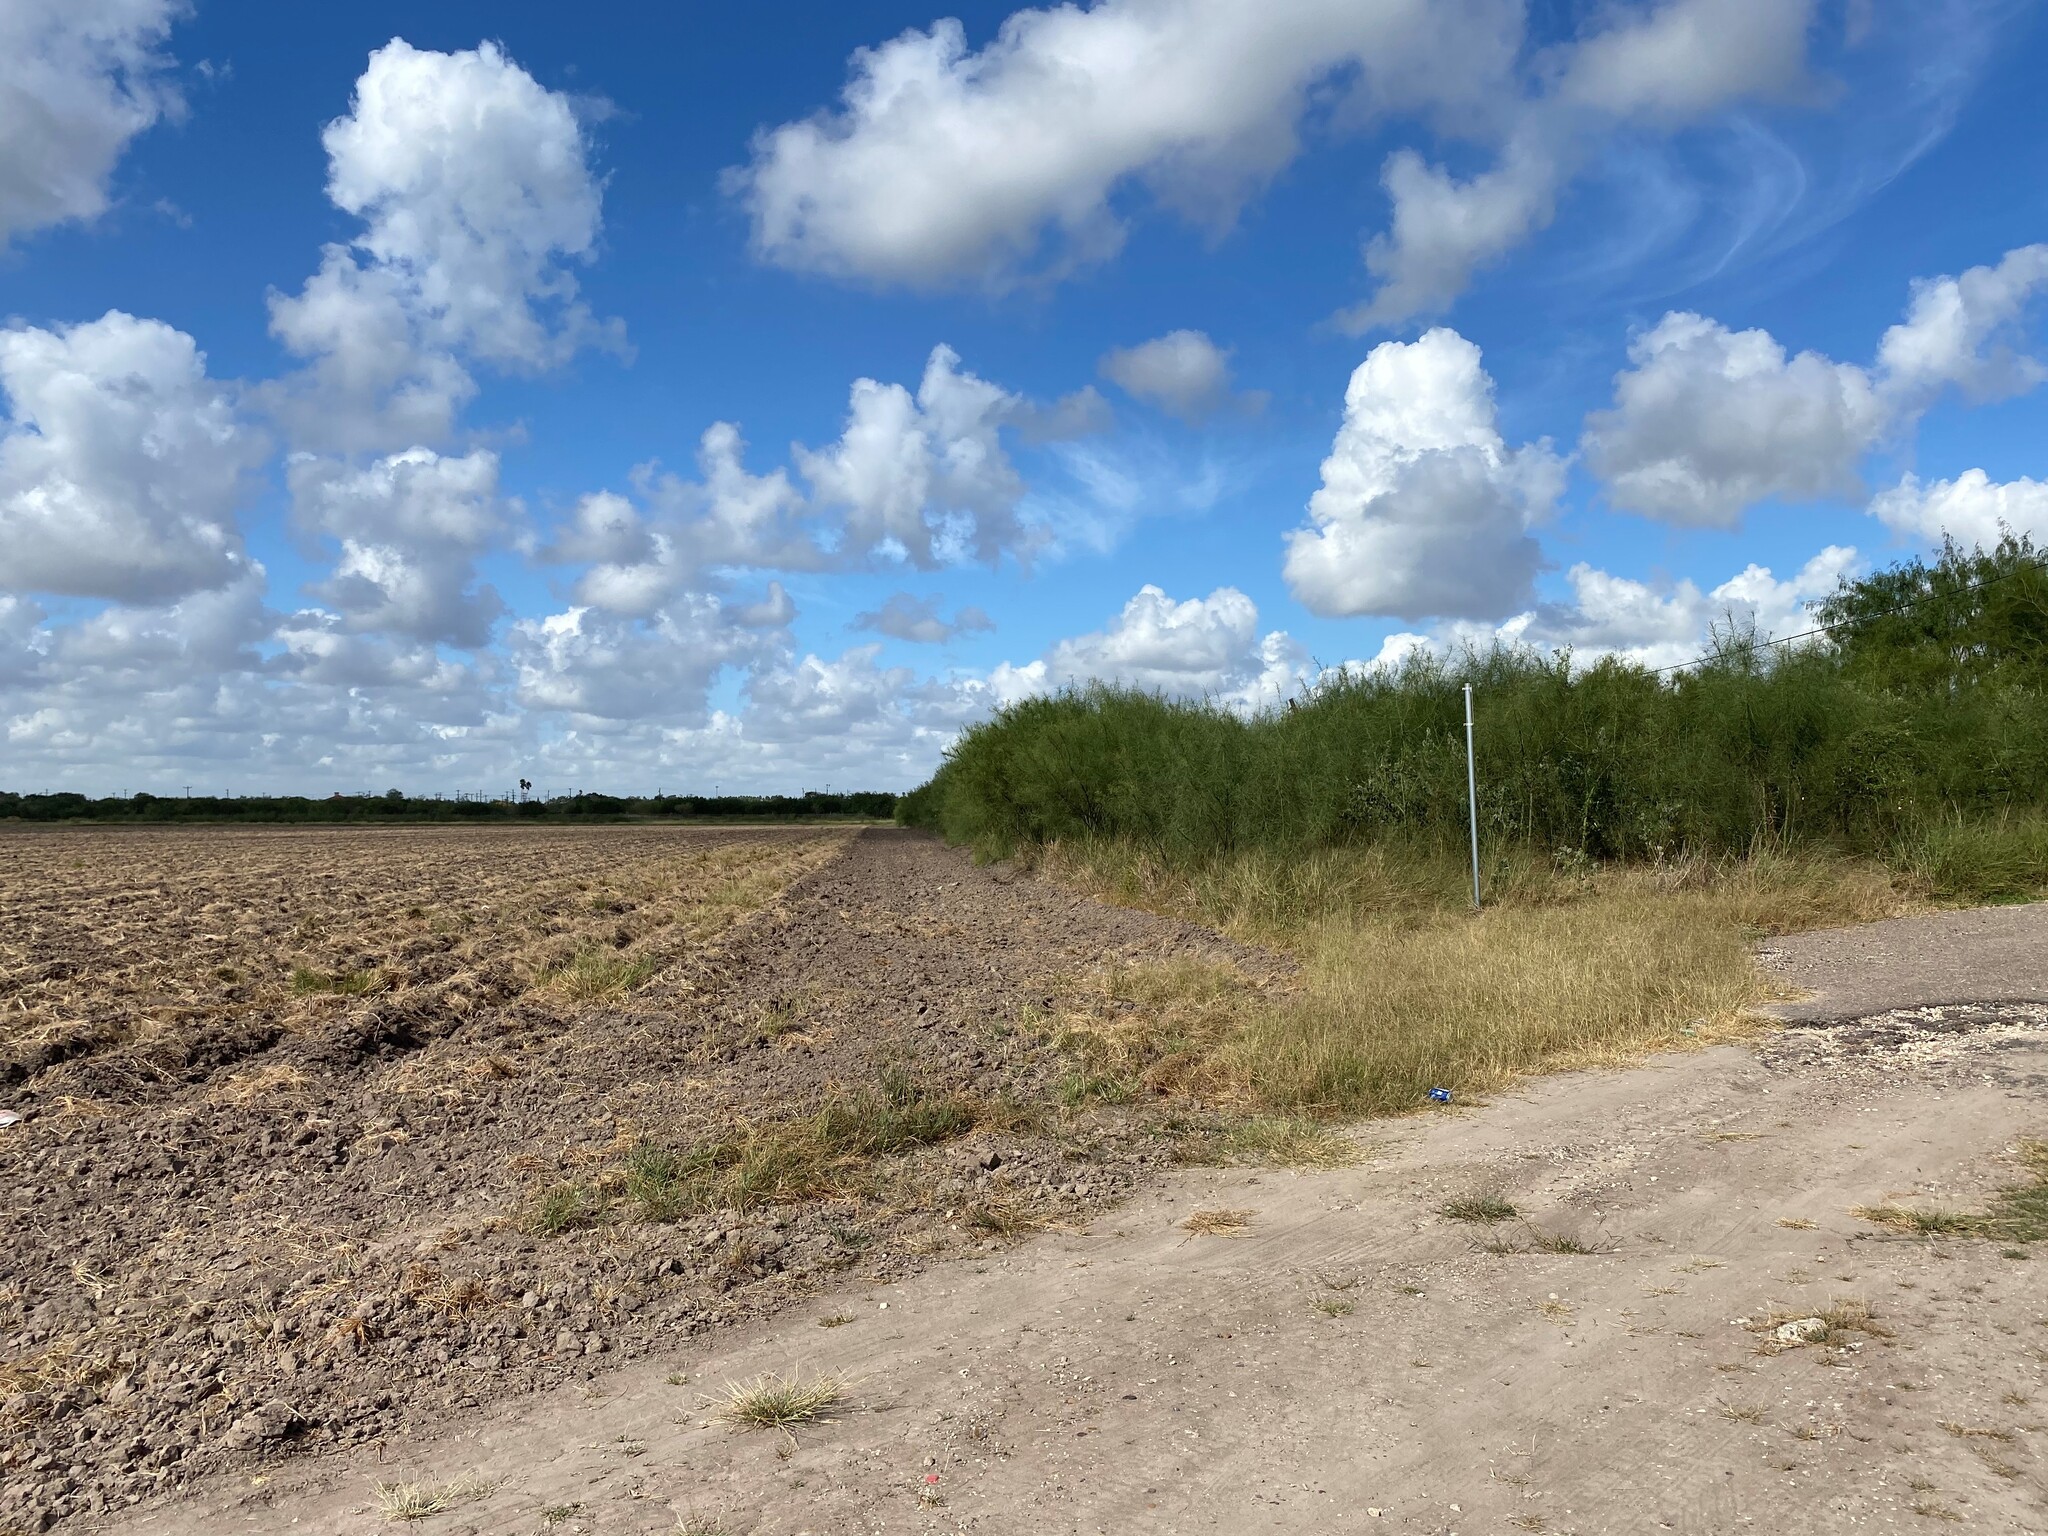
(1920, 737)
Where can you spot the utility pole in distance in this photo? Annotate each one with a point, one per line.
(1472, 796)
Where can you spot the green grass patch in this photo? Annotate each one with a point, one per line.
(565, 1207)
(824, 1153)
(306, 982)
(595, 973)
(1082, 1088)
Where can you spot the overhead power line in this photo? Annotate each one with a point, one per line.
(2035, 562)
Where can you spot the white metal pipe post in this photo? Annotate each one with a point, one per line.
(1472, 796)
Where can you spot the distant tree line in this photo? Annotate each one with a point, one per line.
(395, 806)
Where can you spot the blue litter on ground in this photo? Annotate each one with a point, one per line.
(1440, 1095)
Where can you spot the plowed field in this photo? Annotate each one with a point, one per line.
(325, 1134)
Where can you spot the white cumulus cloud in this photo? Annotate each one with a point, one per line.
(1960, 330)
(604, 667)
(1973, 509)
(1677, 60)
(1662, 626)
(411, 527)
(925, 478)
(1202, 648)
(942, 163)
(474, 184)
(1424, 510)
(1017, 160)
(477, 198)
(79, 79)
(1653, 67)
(1652, 623)
(122, 465)
(1706, 421)
(687, 532)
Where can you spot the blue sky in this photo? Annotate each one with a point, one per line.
(359, 367)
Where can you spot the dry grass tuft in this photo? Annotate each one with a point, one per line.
(1969, 1432)
(70, 1364)
(1218, 1223)
(1842, 1321)
(823, 1154)
(429, 1288)
(1006, 1215)
(1477, 1208)
(1899, 1218)
(1403, 990)
(307, 982)
(417, 1501)
(1278, 1141)
(1150, 1029)
(2018, 1214)
(775, 1402)
(276, 1080)
(593, 974)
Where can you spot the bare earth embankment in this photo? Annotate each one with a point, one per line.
(1634, 1300)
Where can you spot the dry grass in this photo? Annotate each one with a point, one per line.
(1929, 1510)
(777, 1402)
(73, 1362)
(1968, 1432)
(1843, 1321)
(825, 1153)
(1404, 990)
(2018, 1213)
(1150, 1029)
(1006, 1215)
(1899, 1218)
(1477, 1208)
(275, 1080)
(591, 975)
(418, 1501)
(831, 1152)
(1277, 1141)
(1218, 1223)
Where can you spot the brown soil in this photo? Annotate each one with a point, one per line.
(290, 1099)
(1353, 1361)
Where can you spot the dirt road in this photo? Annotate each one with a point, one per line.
(1986, 955)
(1356, 1361)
